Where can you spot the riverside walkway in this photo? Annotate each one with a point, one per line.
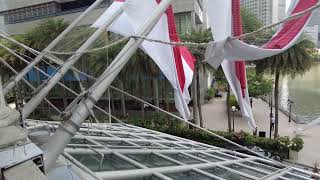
(215, 118)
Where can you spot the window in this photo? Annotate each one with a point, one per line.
(183, 22)
(22, 14)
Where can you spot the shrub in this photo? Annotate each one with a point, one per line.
(297, 144)
(210, 94)
(277, 147)
(233, 102)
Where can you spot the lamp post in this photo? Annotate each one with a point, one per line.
(233, 109)
(290, 108)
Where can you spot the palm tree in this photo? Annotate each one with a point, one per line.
(44, 33)
(198, 36)
(295, 61)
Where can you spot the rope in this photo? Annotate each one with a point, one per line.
(183, 120)
(190, 44)
(186, 44)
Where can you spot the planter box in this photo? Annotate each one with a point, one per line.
(294, 155)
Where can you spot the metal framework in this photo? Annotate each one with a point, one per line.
(121, 151)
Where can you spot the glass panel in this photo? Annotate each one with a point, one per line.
(172, 145)
(90, 133)
(300, 173)
(223, 156)
(151, 160)
(289, 176)
(115, 143)
(246, 170)
(260, 166)
(147, 144)
(125, 136)
(144, 178)
(209, 158)
(190, 145)
(109, 163)
(80, 141)
(167, 138)
(183, 158)
(225, 174)
(189, 175)
(269, 164)
(150, 137)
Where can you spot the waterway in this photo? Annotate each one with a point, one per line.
(304, 91)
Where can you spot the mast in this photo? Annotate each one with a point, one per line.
(69, 127)
(9, 86)
(36, 100)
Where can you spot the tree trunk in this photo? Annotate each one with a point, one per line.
(195, 99)
(141, 96)
(123, 101)
(276, 104)
(199, 95)
(156, 93)
(228, 109)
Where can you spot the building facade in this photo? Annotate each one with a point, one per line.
(282, 10)
(268, 11)
(20, 16)
(314, 25)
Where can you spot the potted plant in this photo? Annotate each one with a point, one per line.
(296, 146)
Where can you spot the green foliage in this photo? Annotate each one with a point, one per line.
(210, 94)
(297, 144)
(44, 33)
(233, 102)
(277, 147)
(295, 61)
(250, 22)
(258, 85)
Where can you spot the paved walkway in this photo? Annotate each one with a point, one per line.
(215, 118)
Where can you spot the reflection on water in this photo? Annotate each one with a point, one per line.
(305, 93)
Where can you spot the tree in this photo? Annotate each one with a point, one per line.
(198, 36)
(295, 61)
(44, 33)
(258, 85)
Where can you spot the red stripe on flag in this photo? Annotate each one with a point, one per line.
(188, 57)
(176, 51)
(291, 28)
(240, 66)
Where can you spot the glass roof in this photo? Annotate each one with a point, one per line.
(121, 151)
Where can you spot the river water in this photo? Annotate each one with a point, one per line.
(304, 91)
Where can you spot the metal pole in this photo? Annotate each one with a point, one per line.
(35, 101)
(290, 106)
(33, 88)
(233, 121)
(18, 77)
(68, 128)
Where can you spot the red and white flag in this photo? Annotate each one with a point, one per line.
(225, 20)
(176, 63)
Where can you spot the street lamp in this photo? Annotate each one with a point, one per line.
(290, 102)
(233, 109)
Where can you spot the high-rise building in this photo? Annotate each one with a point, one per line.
(20, 16)
(268, 11)
(282, 10)
(315, 22)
